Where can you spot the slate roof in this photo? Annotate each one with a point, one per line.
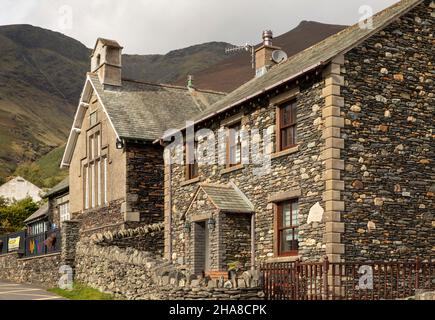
(39, 214)
(144, 111)
(308, 59)
(61, 187)
(227, 198)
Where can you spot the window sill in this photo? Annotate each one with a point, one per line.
(189, 182)
(285, 153)
(232, 169)
(284, 259)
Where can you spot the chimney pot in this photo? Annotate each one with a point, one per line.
(267, 37)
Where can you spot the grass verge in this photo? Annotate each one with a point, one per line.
(81, 292)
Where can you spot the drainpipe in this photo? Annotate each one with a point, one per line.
(253, 241)
(170, 209)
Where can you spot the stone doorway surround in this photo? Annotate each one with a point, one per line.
(224, 213)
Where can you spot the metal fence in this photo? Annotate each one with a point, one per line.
(31, 245)
(44, 243)
(346, 280)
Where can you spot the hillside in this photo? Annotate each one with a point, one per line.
(42, 74)
(41, 78)
(236, 69)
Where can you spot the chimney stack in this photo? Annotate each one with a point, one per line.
(263, 54)
(106, 61)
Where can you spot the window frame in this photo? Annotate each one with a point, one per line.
(279, 229)
(292, 103)
(191, 169)
(230, 144)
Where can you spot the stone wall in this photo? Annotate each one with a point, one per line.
(147, 238)
(389, 111)
(297, 171)
(106, 218)
(145, 181)
(132, 274)
(42, 271)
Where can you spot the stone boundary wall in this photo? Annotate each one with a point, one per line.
(137, 275)
(147, 238)
(42, 271)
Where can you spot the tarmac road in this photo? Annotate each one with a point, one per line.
(15, 291)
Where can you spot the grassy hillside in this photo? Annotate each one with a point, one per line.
(41, 77)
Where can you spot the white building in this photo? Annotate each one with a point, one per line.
(18, 189)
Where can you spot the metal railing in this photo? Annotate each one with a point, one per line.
(31, 245)
(346, 280)
(44, 243)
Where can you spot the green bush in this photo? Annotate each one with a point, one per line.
(12, 215)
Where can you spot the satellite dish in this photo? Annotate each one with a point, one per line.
(279, 56)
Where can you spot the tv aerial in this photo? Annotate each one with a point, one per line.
(247, 47)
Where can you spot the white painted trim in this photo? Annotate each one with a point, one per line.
(104, 108)
(76, 127)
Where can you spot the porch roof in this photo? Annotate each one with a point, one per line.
(227, 198)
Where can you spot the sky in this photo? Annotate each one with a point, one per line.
(158, 26)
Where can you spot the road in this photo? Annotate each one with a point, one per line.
(14, 291)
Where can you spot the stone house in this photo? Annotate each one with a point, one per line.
(350, 154)
(115, 170)
(18, 189)
(51, 214)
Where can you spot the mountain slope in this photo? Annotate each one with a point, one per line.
(41, 78)
(234, 71)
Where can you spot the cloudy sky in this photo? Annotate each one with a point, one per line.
(151, 26)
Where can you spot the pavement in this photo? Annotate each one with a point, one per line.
(15, 291)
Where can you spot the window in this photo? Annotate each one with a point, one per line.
(64, 212)
(286, 124)
(287, 228)
(86, 186)
(93, 119)
(192, 169)
(234, 145)
(95, 174)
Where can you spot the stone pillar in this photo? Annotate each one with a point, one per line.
(331, 155)
(334, 165)
(70, 235)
